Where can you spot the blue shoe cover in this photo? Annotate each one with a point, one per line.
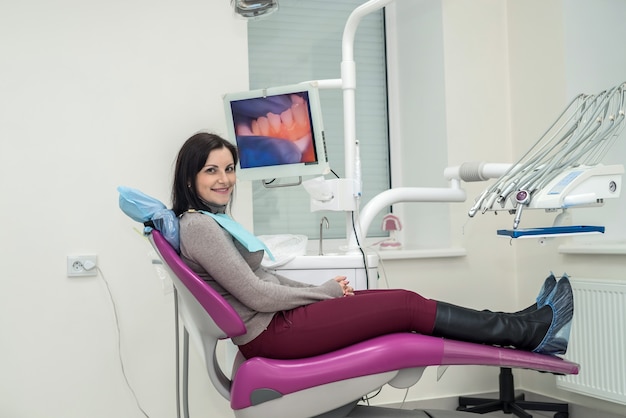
(548, 287)
(561, 300)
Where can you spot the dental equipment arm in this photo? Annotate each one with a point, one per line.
(348, 77)
(563, 168)
(404, 194)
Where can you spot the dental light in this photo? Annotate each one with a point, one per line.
(254, 9)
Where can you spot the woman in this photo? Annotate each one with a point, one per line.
(289, 319)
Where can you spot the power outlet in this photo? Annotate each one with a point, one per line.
(82, 265)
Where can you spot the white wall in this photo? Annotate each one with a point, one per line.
(94, 95)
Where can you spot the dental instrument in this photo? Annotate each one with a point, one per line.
(563, 169)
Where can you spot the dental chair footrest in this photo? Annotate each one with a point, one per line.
(379, 355)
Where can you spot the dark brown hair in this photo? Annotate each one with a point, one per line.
(191, 158)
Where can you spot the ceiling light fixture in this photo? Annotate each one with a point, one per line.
(254, 9)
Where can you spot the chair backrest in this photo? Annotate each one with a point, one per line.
(206, 315)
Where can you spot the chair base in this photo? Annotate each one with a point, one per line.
(509, 403)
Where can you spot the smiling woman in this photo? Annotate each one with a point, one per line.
(206, 164)
(216, 180)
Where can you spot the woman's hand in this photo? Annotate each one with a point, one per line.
(344, 283)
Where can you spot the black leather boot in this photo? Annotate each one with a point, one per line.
(545, 330)
(520, 330)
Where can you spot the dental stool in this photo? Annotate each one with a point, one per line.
(328, 385)
(508, 402)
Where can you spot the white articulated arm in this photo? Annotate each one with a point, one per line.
(404, 194)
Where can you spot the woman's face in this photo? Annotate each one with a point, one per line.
(215, 181)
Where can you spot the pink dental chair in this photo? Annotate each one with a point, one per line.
(329, 385)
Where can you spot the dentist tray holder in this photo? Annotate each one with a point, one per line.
(561, 171)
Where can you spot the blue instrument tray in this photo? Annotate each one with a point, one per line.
(551, 231)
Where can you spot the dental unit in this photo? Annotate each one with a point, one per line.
(562, 170)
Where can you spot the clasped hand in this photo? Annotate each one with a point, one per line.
(344, 283)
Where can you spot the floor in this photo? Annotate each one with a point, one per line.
(450, 404)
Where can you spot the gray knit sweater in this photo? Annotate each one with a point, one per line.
(237, 275)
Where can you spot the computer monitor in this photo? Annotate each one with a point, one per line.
(278, 132)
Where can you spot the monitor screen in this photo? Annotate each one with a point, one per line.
(278, 132)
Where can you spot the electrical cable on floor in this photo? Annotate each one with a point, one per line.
(367, 397)
(119, 342)
(406, 393)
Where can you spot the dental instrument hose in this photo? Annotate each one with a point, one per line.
(358, 243)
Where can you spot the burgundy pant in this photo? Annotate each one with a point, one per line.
(335, 323)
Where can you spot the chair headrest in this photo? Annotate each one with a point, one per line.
(151, 212)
